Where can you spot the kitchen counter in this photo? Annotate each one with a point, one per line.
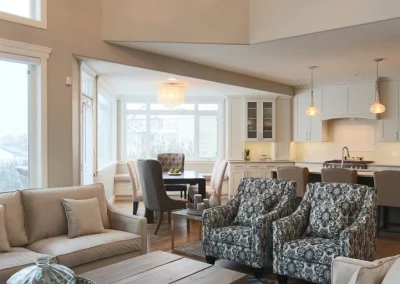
(370, 165)
(360, 173)
(259, 162)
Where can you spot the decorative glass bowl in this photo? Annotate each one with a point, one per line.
(46, 272)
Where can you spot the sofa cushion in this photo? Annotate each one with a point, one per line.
(15, 260)
(393, 275)
(83, 217)
(14, 217)
(312, 250)
(45, 215)
(89, 248)
(234, 235)
(4, 244)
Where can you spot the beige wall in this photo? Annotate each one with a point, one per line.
(194, 21)
(74, 28)
(272, 19)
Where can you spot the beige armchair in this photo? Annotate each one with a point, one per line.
(137, 195)
(339, 175)
(297, 174)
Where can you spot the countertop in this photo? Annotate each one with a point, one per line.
(372, 164)
(361, 173)
(259, 162)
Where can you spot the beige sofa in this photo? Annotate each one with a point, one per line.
(36, 226)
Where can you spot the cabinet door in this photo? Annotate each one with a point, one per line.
(234, 180)
(361, 97)
(235, 131)
(334, 101)
(267, 120)
(267, 171)
(301, 121)
(254, 171)
(252, 120)
(317, 131)
(389, 120)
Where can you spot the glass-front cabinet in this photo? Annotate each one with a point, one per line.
(260, 120)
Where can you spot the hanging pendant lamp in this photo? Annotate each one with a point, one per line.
(312, 110)
(377, 107)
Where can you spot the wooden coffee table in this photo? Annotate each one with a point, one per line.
(163, 268)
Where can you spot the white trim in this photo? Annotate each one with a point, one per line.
(24, 49)
(107, 167)
(103, 85)
(38, 20)
(89, 71)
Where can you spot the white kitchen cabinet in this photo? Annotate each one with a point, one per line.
(334, 101)
(389, 124)
(260, 120)
(361, 97)
(283, 133)
(234, 128)
(308, 128)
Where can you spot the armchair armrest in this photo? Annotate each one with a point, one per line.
(219, 216)
(129, 223)
(343, 268)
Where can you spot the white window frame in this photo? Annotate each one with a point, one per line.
(196, 101)
(38, 9)
(28, 53)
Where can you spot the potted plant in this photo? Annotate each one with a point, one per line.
(247, 154)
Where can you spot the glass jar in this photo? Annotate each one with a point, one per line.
(44, 272)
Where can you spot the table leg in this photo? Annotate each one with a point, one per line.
(149, 215)
(188, 225)
(172, 234)
(200, 230)
(202, 187)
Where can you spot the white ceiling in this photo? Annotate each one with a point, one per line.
(340, 54)
(132, 81)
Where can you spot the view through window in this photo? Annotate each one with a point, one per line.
(106, 149)
(22, 8)
(14, 138)
(191, 129)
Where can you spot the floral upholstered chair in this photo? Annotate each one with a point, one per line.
(333, 219)
(241, 230)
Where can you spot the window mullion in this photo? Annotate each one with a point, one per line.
(196, 133)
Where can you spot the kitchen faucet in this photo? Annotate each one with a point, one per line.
(348, 155)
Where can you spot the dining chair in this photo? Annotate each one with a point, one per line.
(387, 185)
(216, 181)
(339, 175)
(297, 174)
(173, 161)
(155, 197)
(137, 195)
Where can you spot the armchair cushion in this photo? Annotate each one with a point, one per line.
(250, 209)
(233, 235)
(314, 250)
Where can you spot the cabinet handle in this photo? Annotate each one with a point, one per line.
(309, 135)
(397, 135)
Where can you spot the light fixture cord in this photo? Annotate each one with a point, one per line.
(312, 87)
(377, 82)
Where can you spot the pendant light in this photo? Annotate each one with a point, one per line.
(377, 107)
(312, 110)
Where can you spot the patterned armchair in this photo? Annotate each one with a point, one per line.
(241, 230)
(333, 219)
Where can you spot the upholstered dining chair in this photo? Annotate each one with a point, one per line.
(333, 219)
(216, 181)
(173, 161)
(388, 188)
(137, 195)
(297, 174)
(155, 197)
(339, 175)
(241, 230)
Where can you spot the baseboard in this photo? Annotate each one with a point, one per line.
(112, 199)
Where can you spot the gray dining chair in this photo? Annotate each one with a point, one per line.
(173, 161)
(155, 197)
(339, 175)
(137, 193)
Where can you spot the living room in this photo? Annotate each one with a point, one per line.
(89, 86)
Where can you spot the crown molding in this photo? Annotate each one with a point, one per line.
(25, 49)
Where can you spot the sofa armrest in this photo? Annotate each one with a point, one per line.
(343, 268)
(129, 223)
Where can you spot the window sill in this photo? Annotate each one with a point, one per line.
(23, 21)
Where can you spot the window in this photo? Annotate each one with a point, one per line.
(106, 150)
(191, 129)
(27, 12)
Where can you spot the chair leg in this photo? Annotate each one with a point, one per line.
(385, 216)
(181, 194)
(210, 259)
(160, 218)
(169, 217)
(257, 272)
(135, 207)
(184, 193)
(282, 279)
(378, 220)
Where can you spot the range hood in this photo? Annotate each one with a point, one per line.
(368, 115)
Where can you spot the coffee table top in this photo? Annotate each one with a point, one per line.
(161, 267)
(186, 215)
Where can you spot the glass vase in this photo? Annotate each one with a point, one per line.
(44, 272)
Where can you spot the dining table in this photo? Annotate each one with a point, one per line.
(186, 177)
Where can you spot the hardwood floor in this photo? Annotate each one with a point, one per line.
(386, 245)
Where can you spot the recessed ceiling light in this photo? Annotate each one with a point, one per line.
(172, 79)
(359, 74)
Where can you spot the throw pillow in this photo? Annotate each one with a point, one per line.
(375, 273)
(328, 219)
(83, 217)
(4, 244)
(250, 209)
(393, 275)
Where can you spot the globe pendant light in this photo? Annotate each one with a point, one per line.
(171, 95)
(377, 107)
(312, 110)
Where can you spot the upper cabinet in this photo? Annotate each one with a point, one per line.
(260, 120)
(308, 128)
(389, 124)
(235, 128)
